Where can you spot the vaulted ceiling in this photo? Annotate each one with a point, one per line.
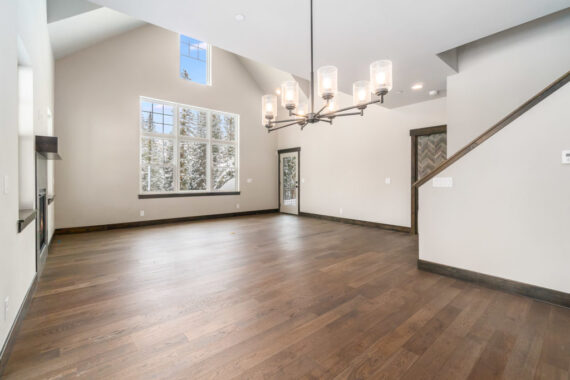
(77, 24)
(348, 34)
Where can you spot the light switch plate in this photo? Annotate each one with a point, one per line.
(249, 180)
(5, 185)
(566, 156)
(387, 181)
(442, 182)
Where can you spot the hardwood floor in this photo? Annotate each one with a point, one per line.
(273, 296)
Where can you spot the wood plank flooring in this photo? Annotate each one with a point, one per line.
(273, 296)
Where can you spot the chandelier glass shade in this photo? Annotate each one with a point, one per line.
(269, 108)
(290, 95)
(303, 113)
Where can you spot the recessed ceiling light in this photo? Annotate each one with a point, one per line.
(433, 92)
(239, 17)
(418, 86)
(278, 91)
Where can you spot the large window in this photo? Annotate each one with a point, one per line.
(185, 149)
(194, 60)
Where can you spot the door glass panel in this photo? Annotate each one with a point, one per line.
(290, 181)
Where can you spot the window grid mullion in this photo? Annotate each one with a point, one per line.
(176, 138)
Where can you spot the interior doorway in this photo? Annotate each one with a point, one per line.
(289, 189)
(429, 150)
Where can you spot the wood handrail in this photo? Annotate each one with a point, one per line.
(558, 83)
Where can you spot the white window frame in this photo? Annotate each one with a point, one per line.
(177, 138)
(208, 63)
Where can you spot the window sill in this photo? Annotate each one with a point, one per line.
(177, 195)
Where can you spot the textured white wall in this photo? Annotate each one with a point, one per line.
(507, 212)
(499, 73)
(345, 165)
(25, 20)
(97, 121)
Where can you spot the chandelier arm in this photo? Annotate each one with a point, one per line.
(284, 121)
(284, 126)
(352, 107)
(361, 113)
(322, 109)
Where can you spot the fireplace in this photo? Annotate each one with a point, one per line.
(42, 223)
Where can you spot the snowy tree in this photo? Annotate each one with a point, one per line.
(289, 177)
(193, 123)
(157, 168)
(223, 127)
(147, 121)
(223, 165)
(193, 164)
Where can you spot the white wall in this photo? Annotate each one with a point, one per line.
(344, 165)
(499, 73)
(25, 20)
(97, 120)
(507, 212)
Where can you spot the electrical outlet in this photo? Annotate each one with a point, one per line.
(142, 212)
(6, 309)
(237, 205)
(5, 184)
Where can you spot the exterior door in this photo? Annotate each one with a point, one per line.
(289, 181)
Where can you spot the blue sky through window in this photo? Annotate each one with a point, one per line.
(193, 60)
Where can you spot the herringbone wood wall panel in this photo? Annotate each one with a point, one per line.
(432, 151)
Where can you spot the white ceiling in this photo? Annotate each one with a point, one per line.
(86, 28)
(348, 34)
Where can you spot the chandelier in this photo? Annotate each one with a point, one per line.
(379, 85)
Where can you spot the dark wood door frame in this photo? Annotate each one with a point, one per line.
(414, 133)
(279, 152)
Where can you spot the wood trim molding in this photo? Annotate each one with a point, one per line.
(9, 343)
(178, 195)
(414, 189)
(551, 88)
(428, 130)
(289, 150)
(414, 133)
(279, 152)
(114, 226)
(357, 222)
(542, 294)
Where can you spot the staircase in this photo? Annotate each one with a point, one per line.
(505, 220)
